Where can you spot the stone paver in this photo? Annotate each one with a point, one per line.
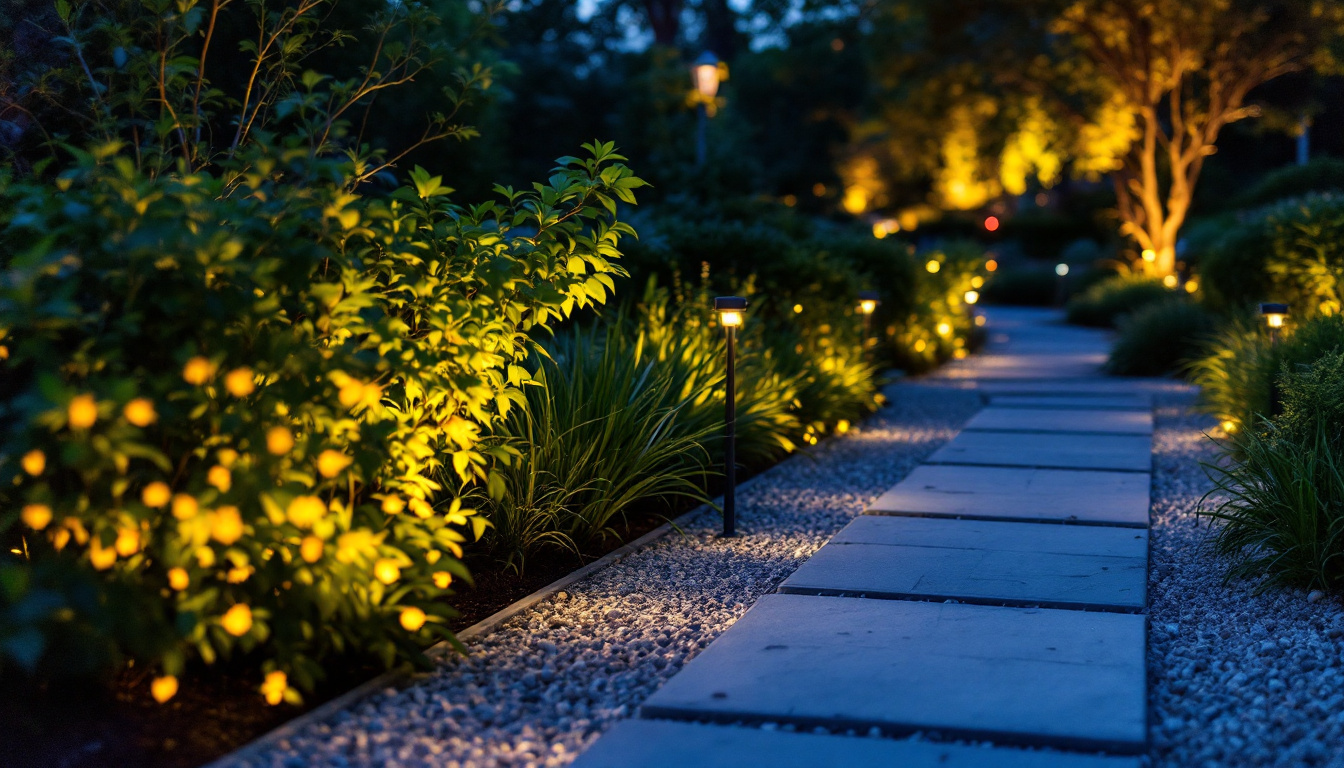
(1026, 366)
(1083, 402)
(1009, 675)
(667, 744)
(1009, 493)
(1055, 420)
(1056, 451)
(976, 561)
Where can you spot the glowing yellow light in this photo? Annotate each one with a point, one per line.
(944, 329)
(237, 621)
(959, 354)
(34, 462)
(977, 281)
(867, 306)
(972, 297)
(1229, 426)
(933, 266)
(879, 231)
(1191, 286)
(991, 265)
(412, 619)
(1170, 281)
(921, 345)
(856, 200)
(979, 320)
(790, 200)
(82, 412)
(1274, 320)
(707, 75)
(163, 688)
(1061, 269)
(1149, 255)
(730, 318)
(819, 189)
(797, 309)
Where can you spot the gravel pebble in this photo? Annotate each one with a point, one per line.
(1235, 678)
(543, 686)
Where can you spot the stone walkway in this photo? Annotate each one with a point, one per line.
(992, 601)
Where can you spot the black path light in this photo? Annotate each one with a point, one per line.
(868, 301)
(730, 309)
(706, 74)
(1274, 315)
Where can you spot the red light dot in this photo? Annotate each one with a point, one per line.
(991, 223)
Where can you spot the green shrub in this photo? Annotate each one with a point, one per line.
(1106, 302)
(1322, 174)
(1032, 286)
(1160, 338)
(1237, 375)
(1282, 504)
(1291, 252)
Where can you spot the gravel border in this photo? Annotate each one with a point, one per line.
(1235, 678)
(545, 684)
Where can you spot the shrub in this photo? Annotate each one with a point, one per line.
(1237, 376)
(1106, 302)
(1282, 504)
(1321, 174)
(1160, 338)
(1290, 252)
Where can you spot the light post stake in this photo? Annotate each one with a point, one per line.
(1274, 314)
(868, 301)
(701, 129)
(730, 309)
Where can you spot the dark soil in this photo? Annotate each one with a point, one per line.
(218, 709)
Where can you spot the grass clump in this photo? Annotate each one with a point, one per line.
(1105, 303)
(1282, 504)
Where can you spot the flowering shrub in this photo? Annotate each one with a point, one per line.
(228, 401)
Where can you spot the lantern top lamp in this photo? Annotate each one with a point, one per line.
(730, 309)
(705, 72)
(868, 301)
(1274, 314)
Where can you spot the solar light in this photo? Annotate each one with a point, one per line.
(730, 309)
(1274, 314)
(868, 301)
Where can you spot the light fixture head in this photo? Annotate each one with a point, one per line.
(705, 72)
(730, 309)
(1274, 314)
(1061, 269)
(868, 301)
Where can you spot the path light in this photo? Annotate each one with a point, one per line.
(1274, 314)
(868, 301)
(1062, 270)
(971, 297)
(730, 309)
(706, 75)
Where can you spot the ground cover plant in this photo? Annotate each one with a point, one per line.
(1161, 339)
(1104, 303)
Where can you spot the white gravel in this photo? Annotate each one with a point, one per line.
(1235, 679)
(545, 685)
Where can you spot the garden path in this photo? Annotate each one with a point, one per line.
(961, 607)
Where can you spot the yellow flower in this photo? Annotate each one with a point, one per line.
(128, 542)
(198, 371)
(205, 557)
(59, 538)
(34, 462)
(332, 463)
(156, 494)
(351, 393)
(303, 511)
(226, 525)
(82, 412)
(239, 573)
(442, 579)
(140, 412)
(163, 688)
(279, 440)
(422, 509)
(393, 504)
(274, 687)
(310, 549)
(412, 619)
(237, 620)
(185, 507)
(220, 477)
(386, 571)
(36, 516)
(101, 558)
(240, 382)
(178, 578)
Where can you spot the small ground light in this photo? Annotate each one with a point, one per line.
(991, 223)
(933, 266)
(980, 320)
(1274, 315)
(991, 265)
(1061, 269)
(971, 297)
(1171, 281)
(944, 329)
(730, 309)
(868, 301)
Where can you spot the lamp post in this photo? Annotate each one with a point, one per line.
(705, 73)
(1062, 270)
(1274, 314)
(730, 309)
(868, 301)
